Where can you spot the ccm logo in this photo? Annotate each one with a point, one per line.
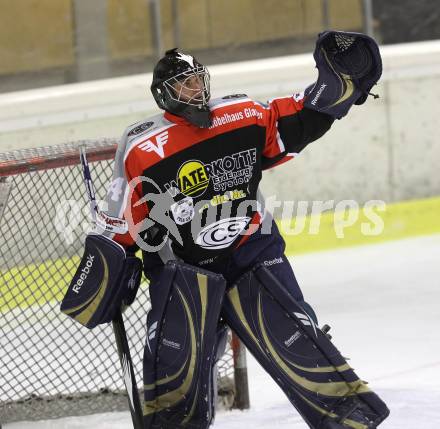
(221, 234)
(155, 144)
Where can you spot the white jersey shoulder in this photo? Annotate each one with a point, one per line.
(133, 136)
(140, 132)
(228, 100)
(146, 126)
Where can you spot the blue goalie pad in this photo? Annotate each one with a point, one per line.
(299, 355)
(105, 280)
(180, 351)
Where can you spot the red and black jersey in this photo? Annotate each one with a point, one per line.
(200, 185)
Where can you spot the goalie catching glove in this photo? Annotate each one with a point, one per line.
(349, 65)
(106, 279)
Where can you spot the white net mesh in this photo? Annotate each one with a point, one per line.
(50, 366)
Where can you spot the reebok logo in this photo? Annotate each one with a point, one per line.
(171, 344)
(273, 262)
(84, 273)
(133, 280)
(318, 94)
(292, 339)
(307, 321)
(151, 334)
(155, 144)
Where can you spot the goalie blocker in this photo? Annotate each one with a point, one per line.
(106, 279)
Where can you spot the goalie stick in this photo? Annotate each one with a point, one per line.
(128, 371)
(118, 322)
(99, 218)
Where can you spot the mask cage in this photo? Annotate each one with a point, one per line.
(200, 96)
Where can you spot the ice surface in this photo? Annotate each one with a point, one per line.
(383, 303)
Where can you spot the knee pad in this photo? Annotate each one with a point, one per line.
(298, 355)
(181, 345)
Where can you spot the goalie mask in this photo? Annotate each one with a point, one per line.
(181, 86)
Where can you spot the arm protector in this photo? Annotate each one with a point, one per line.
(349, 65)
(106, 279)
(298, 130)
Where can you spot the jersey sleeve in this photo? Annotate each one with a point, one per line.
(124, 195)
(290, 128)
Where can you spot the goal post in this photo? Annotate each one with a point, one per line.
(50, 366)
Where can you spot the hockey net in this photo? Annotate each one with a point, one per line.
(50, 366)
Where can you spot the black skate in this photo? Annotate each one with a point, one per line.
(352, 411)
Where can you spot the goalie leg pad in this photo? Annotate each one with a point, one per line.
(298, 355)
(180, 350)
(106, 279)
